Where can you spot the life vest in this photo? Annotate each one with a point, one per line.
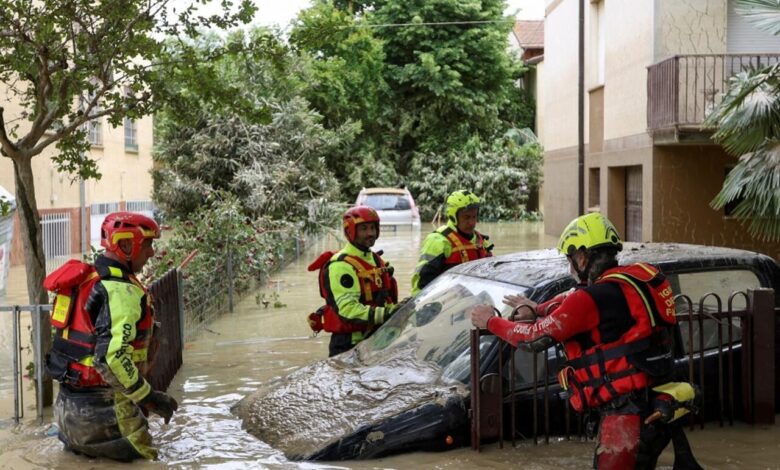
(463, 249)
(377, 287)
(71, 357)
(596, 373)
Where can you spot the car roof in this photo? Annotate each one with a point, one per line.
(383, 191)
(542, 267)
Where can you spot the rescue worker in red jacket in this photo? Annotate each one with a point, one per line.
(454, 243)
(616, 332)
(356, 283)
(104, 324)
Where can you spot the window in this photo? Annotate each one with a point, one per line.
(131, 137)
(594, 189)
(597, 38)
(723, 283)
(95, 132)
(94, 127)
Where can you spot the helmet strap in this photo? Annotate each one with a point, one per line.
(582, 274)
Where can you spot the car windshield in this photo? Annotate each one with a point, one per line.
(388, 202)
(436, 325)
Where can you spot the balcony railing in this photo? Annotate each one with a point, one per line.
(684, 89)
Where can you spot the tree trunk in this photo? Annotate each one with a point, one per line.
(34, 257)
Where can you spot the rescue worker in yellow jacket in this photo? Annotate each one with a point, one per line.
(454, 243)
(356, 283)
(104, 324)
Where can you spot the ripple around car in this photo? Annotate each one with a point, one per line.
(395, 206)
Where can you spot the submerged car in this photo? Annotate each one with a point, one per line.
(395, 206)
(406, 387)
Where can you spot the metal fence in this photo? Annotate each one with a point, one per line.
(56, 238)
(17, 366)
(684, 89)
(729, 341)
(215, 292)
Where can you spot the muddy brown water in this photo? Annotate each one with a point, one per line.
(242, 351)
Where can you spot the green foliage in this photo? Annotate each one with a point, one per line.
(415, 89)
(72, 61)
(65, 63)
(249, 133)
(5, 206)
(449, 82)
(501, 172)
(217, 228)
(748, 126)
(346, 85)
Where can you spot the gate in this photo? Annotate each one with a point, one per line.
(56, 238)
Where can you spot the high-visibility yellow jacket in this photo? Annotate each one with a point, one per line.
(346, 289)
(123, 326)
(445, 248)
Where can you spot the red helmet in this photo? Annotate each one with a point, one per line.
(359, 215)
(123, 225)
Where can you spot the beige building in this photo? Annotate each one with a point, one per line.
(653, 70)
(124, 157)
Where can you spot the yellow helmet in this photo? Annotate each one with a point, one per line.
(587, 232)
(460, 200)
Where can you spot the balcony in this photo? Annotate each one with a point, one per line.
(683, 90)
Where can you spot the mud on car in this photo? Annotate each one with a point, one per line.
(406, 387)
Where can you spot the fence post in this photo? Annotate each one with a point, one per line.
(763, 365)
(15, 346)
(230, 279)
(475, 395)
(38, 358)
(180, 295)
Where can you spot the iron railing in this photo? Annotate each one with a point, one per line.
(17, 363)
(682, 90)
(492, 397)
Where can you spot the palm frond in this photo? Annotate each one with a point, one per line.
(749, 112)
(755, 183)
(764, 14)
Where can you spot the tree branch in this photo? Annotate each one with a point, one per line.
(5, 142)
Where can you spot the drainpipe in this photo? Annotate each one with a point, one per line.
(581, 115)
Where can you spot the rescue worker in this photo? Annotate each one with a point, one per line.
(356, 283)
(104, 324)
(454, 243)
(616, 331)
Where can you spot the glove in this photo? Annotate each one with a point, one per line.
(389, 311)
(161, 404)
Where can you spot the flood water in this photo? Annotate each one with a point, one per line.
(241, 351)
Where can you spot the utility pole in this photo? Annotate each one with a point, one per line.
(83, 215)
(581, 115)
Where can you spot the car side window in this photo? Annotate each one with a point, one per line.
(721, 282)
